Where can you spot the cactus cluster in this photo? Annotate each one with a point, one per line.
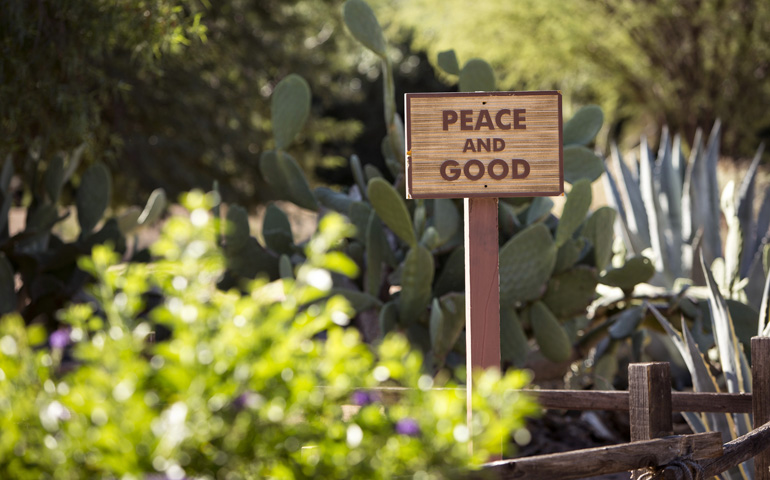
(38, 269)
(411, 253)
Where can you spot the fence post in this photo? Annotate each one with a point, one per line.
(760, 397)
(649, 402)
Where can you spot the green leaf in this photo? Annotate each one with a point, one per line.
(6, 175)
(575, 210)
(636, 270)
(276, 230)
(339, 202)
(53, 179)
(237, 231)
(625, 323)
(452, 276)
(360, 301)
(583, 126)
(599, 232)
(363, 25)
(388, 318)
(526, 262)
(447, 61)
(377, 250)
(539, 209)
(447, 320)
(446, 218)
(359, 216)
(93, 197)
(514, 346)
(416, 284)
(477, 76)
(581, 163)
(571, 292)
(569, 254)
(286, 178)
(285, 268)
(7, 286)
(549, 334)
(290, 105)
(391, 208)
(156, 204)
(358, 173)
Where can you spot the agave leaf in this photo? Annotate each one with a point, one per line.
(392, 210)
(549, 334)
(655, 221)
(514, 346)
(575, 210)
(580, 162)
(746, 213)
(625, 323)
(711, 232)
(733, 242)
(364, 27)
(287, 179)
(632, 201)
(416, 283)
(477, 76)
(93, 197)
(690, 191)
(671, 204)
(583, 126)
(763, 308)
(290, 106)
(276, 231)
(447, 61)
(526, 262)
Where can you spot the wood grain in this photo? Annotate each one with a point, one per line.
(482, 289)
(603, 460)
(760, 384)
(649, 402)
(431, 140)
(618, 400)
(738, 451)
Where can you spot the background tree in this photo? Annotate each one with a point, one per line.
(682, 63)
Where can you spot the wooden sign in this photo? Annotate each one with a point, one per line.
(484, 144)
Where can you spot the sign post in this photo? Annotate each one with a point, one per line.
(481, 146)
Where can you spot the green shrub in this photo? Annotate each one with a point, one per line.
(246, 384)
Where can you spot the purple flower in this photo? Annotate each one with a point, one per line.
(60, 338)
(408, 427)
(363, 398)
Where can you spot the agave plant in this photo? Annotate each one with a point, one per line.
(732, 363)
(668, 208)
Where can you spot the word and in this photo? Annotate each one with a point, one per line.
(474, 169)
(515, 119)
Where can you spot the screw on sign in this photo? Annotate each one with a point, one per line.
(481, 146)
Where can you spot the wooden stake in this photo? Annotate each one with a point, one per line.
(482, 289)
(760, 385)
(649, 402)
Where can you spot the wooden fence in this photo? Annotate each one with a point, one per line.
(653, 451)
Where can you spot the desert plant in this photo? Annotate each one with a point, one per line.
(46, 262)
(248, 384)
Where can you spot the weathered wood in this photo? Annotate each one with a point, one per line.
(603, 460)
(482, 289)
(649, 402)
(483, 144)
(760, 384)
(738, 451)
(618, 400)
(649, 388)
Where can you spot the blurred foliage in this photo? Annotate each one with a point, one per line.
(172, 93)
(245, 384)
(647, 63)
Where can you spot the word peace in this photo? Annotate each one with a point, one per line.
(484, 119)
